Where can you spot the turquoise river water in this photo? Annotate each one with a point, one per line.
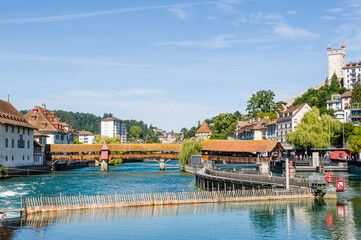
(297, 219)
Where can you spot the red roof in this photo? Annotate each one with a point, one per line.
(104, 147)
(352, 65)
(204, 128)
(241, 146)
(9, 115)
(347, 94)
(112, 119)
(84, 133)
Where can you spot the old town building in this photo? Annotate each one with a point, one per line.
(204, 132)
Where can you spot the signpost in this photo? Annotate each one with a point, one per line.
(340, 185)
(328, 177)
(292, 170)
(291, 163)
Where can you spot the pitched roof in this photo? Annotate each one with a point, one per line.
(9, 115)
(242, 146)
(204, 128)
(112, 119)
(346, 94)
(84, 133)
(294, 110)
(39, 134)
(352, 65)
(47, 117)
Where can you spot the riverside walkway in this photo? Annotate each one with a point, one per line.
(61, 203)
(211, 180)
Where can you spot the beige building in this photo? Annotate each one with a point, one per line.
(252, 130)
(204, 132)
(47, 123)
(288, 121)
(336, 61)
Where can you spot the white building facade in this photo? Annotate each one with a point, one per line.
(340, 104)
(16, 138)
(114, 127)
(351, 73)
(86, 137)
(288, 121)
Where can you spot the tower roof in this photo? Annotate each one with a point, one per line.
(104, 147)
(204, 128)
(343, 45)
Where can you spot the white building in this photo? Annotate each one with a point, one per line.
(336, 61)
(340, 105)
(204, 132)
(272, 130)
(351, 73)
(169, 137)
(16, 138)
(86, 137)
(288, 121)
(114, 127)
(48, 124)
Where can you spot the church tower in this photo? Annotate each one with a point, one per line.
(336, 61)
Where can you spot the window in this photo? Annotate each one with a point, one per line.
(28, 131)
(12, 158)
(28, 144)
(6, 128)
(12, 128)
(6, 158)
(43, 125)
(28, 157)
(23, 157)
(23, 130)
(12, 143)
(6, 142)
(33, 118)
(18, 129)
(35, 111)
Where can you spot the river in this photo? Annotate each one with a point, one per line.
(298, 219)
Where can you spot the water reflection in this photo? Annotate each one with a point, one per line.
(319, 219)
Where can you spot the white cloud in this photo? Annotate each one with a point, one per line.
(335, 10)
(179, 12)
(262, 18)
(101, 13)
(291, 12)
(328, 17)
(292, 33)
(220, 41)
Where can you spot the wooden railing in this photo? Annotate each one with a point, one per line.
(300, 182)
(46, 204)
(235, 159)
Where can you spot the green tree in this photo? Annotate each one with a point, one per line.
(224, 124)
(189, 147)
(355, 144)
(76, 141)
(135, 132)
(313, 130)
(261, 101)
(114, 140)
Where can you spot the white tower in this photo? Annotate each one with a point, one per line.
(336, 61)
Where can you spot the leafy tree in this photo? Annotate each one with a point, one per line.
(106, 115)
(100, 139)
(355, 144)
(76, 141)
(189, 147)
(189, 133)
(318, 98)
(271, 115)
(313, 130)
(135, 132)
(261, 101)
(223, 124)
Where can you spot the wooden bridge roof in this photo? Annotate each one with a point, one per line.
(115, 147)
(242, 146)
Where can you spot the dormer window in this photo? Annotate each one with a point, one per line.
(33, 118)
(43, 125)
(35, 111)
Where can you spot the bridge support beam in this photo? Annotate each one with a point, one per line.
(104, 167)
(161, 164)
(264, 168)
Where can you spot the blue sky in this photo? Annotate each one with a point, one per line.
(169, 63)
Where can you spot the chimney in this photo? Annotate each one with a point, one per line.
(43, 105)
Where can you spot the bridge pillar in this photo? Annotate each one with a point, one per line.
(161, 164)
(264, 167)
(104, 167)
